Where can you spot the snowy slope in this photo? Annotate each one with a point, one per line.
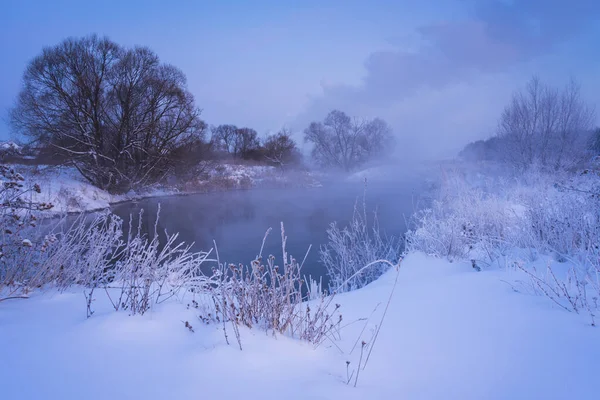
(10, 146)
(68, 191)
(449, 333)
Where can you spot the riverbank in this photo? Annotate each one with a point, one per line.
(449, 332)
(68, 192)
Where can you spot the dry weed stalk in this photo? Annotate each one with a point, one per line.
(270, 296)
(572, 293)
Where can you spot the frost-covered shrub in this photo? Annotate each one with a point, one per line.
(574, 288)
(73, 200)
(351, 248)
(96, 253)
(515, 223)
(21, 245)
(557, 215)
(269, 296)
(464, 225)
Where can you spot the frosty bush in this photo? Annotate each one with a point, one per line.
(140, 270)
(575, 290)
(505, 221)
(351, 248)
(557, 215)
(469, 225)
(20, 245)
(269, 296)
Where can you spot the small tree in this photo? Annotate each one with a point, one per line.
(343, 142)
(280, 149)
(546, 126)
(237, 142)
(224, 137)
(194, 157)
(246, 145)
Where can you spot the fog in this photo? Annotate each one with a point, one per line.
(238, 220)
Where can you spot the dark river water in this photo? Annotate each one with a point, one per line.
(238, 220)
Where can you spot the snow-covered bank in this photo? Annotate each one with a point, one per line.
(449, 332)
(395, 171)
(69, 192)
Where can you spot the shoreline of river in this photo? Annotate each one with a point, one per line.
(70, 194)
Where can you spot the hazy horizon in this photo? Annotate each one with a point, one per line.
(438, 74)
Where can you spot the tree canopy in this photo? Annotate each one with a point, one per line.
(118, 113)
(546, 126)
(346, 143)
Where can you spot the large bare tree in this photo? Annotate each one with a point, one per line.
(117, 114)
(343, 142)
(546, 126)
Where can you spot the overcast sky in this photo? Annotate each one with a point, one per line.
(438, 71)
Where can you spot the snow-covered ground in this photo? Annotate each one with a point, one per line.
(10, 147)
(394, 170)
(66, 190)
(449, 333)
(243, 176)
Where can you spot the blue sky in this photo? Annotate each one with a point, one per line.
(438, 71)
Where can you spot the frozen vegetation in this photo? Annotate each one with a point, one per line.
(546, 226)
(494, 297)
(449, 332)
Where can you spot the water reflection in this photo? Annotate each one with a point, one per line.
(238, 220)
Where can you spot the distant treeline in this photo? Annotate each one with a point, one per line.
(124, 119)
(543, 126)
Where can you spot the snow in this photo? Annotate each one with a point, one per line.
(10, 146)
(449, 332)
(68, 191)
(228, 175)
(392, 171)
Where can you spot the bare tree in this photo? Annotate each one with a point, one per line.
(280, 149)
(546, 126)
(117, 113)
(246, 143)
(223, 137)
(344, 142)
(237, 142)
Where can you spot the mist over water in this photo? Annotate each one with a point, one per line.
(238, 220)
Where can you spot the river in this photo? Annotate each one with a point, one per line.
(237, 220)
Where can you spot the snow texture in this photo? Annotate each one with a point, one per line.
(449, 333)
(10, 146)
